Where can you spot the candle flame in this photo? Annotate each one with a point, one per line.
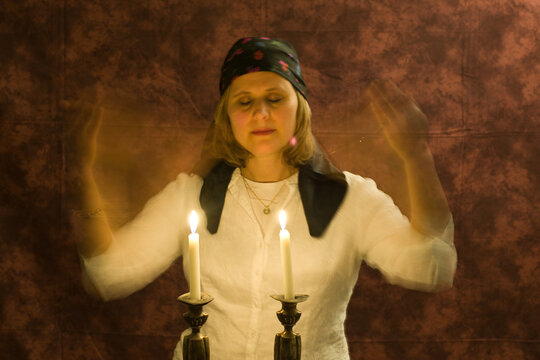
(282, 219)
(193, 221)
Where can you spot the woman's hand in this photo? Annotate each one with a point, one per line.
(83, 120)
(92, 233)
(405, 127)
(404, 124)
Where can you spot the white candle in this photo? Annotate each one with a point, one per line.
(286, 261)
(194, 265)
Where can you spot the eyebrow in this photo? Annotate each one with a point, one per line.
(247, 92)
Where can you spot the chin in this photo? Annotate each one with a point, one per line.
(264, 152)
(265, 149)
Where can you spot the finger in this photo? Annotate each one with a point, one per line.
(396, 105)
(380, 115)
(385, 122)
(94, 124)
(76, 119)
(84, 104)
(390, 96)
(387, 97)
(377, 95)
(81, 116)
(381, 108)
(390, 91)
(75, 116)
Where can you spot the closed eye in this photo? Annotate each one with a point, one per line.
(270, 100)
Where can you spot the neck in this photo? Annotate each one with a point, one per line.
(269, 169)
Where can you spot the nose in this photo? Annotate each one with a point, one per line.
(260, 110)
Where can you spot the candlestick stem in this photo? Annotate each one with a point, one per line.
(288, 344)
(195, 346)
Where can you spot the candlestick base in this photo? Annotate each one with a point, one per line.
(195, 345)
(288, 344)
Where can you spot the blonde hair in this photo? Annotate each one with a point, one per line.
(226, 147)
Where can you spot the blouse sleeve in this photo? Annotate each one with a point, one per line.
(390, 244)
(146, 246)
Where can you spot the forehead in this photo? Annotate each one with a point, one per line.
(260, 81)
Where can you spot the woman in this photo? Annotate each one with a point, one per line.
(270, 162)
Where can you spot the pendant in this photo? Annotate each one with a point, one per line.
(266, 211)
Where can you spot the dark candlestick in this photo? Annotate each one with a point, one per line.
(195, 345)
(288, 344)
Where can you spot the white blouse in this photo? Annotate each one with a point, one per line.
(241, 264)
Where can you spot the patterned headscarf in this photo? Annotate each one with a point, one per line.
(254, 54)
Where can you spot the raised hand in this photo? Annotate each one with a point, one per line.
(404, 124)
(405, 128)
(83, 120)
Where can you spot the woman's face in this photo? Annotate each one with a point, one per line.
(262, 110)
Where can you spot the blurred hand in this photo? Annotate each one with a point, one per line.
(83, 121)
(404, 124)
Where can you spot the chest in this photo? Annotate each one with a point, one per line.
(242, 257)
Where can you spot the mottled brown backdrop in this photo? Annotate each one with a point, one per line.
(473, 67)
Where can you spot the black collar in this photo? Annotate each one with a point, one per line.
(322, 188)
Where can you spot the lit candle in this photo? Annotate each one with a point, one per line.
(194, 266)
(286, 262)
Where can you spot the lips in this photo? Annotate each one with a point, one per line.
(262, 132)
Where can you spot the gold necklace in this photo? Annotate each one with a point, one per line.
(266, 207)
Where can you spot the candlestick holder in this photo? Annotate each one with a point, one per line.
(195, 346)
(288, 344)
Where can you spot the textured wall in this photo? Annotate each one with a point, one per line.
(471, 65)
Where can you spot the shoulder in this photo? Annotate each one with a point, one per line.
(184, 188)
(359, 183)
(365, 189)
(187, 181)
